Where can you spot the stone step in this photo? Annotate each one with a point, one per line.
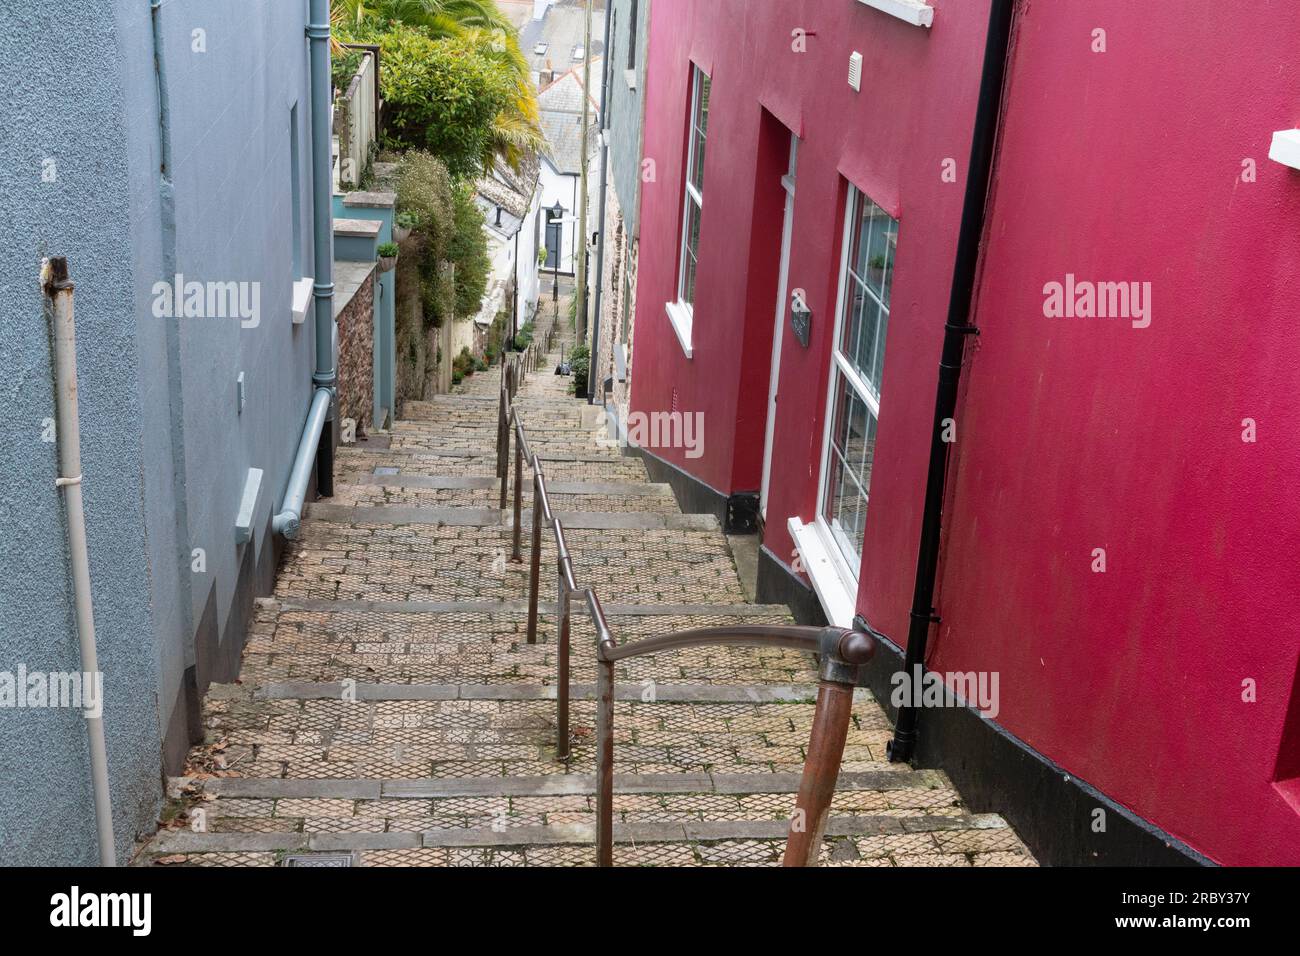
(859, 839)
(481, 462)
(890, 777)
(489, 517)
(462, 554)
(664, 692)
(485, 642)
(483, 491)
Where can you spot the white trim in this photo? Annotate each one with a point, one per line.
(782, 288)
(818, 558)
(860, 385)
(303, 290)
(829, 423)
(689, 194)
(682, 317)
(915, 12)
(1285, 148)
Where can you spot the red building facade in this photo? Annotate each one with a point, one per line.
(1120, 522)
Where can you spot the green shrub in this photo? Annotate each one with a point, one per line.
(387, 249)
(443, 95)
(580, 363)
(467, 251)
(344, 67)
(424, 194)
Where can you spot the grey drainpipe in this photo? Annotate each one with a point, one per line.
(593, 376)
(317, 438)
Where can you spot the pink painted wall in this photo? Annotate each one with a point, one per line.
(916, 109)
(1072, 434)
(1078, 434)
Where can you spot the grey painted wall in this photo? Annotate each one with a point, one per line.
(189, 173)
(626, 105)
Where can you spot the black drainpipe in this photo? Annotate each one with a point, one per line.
(958, 327)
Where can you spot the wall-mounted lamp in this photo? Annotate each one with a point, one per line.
(800, 319)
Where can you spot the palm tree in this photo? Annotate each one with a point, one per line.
(517, 129)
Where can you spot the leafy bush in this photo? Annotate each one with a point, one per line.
(344, 66)
(387, 249)
(424, 194)
(467, 251)
(524, 337)
(580, 363)
(407, 220)
(443, 95)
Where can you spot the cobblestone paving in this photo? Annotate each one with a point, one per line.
(390, 706)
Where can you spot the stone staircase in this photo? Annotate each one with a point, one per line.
(390, 712)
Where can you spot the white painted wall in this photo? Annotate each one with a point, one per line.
(556, 187)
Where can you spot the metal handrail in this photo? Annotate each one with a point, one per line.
(842, 652)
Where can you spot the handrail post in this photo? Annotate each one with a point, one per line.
(604, 758)
(516, 555)
(841, 654)
(562, 670)
(535, 558)
(504, 469)
(501, 426)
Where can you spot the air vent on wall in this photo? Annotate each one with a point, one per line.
(855, 71)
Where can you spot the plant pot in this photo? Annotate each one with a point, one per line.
(387, 263)
(401, 233)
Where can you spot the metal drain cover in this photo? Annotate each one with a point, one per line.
(320, 859)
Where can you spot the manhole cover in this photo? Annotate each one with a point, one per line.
(319, 859)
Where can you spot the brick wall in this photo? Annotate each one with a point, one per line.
(356, 383)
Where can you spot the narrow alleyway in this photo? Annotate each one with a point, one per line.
(445, 756)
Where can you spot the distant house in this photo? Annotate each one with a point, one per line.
(511, 203)
(624, 126)
(560, 105)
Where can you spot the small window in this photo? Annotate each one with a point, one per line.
(857, 366)
(694, 203)
(631, 37)
(579, 53)
(541, 48)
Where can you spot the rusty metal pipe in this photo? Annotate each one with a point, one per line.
(503, 457)
(820, 771)
(516, 554)
(562, 672)
(604, 758)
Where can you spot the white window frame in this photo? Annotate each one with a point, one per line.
(848, 575)
(680, 312)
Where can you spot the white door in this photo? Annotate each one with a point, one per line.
(787, 228)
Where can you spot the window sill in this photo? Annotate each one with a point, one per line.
(915, 12)
(682, 317)
(302, 296)
(818, 563)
